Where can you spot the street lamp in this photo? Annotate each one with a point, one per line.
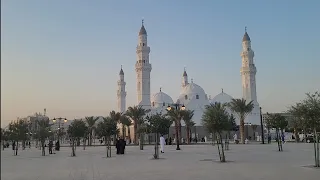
(54, 120)
(177, 106)
(261, 124)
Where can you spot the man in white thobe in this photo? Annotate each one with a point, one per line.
(162, 143)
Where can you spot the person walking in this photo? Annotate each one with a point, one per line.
(162, 143)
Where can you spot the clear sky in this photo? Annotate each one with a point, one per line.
(65, 55)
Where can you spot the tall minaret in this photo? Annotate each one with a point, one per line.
(248, 74)
(143, 68)
(121, 93)
(184, 79)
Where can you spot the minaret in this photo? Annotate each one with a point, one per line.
(143, 68)
(248, 74)
(184, 79)
(121, 93)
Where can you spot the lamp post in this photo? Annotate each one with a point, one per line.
(177, 107)
(262, 128)
(54, 120)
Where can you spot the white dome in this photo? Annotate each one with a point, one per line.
(192, 91)
(222, 98)
(161, 99)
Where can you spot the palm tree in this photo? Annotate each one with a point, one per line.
(91, 121)
(187, 118)
(242, 109)
(215, 119)
(126, 123)
(137, 115)
(176, 115)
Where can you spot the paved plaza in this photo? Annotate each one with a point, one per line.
(193, 162)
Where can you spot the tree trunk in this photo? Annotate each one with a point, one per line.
(73, 153)
(43, 149)
(106, 141)
(135, 137)
(180, 135)
(296, 135)
(129, 134)
(188, 134)
(141, 140)
(109, 146)
(177, 135)
(123, 131)
(156, 147)
(84, 143)
(217, 139)
(242, 130)
(305, 135)
(223, 158)
(316, 148)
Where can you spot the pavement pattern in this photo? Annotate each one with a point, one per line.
(193, 162)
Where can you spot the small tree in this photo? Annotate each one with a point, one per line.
(311, 107)
(107, 128)
(18, 131)
(278, 122)
(158, 124)
(43, 132)
(242, 109)
(76, 131)
(215, 119)
(230, 125)
(187, 117)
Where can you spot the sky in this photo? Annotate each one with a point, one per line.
(65, 55)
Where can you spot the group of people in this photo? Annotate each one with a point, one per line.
(120, 145)
(50, 145)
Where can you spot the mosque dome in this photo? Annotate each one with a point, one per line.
(222, 98)
(192, 91)
(161, 99)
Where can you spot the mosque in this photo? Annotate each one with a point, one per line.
(192, 95)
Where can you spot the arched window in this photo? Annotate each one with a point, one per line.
(186, 97)
(144, 61)
(197, 96)
(153, 104)
(142, 44)
(164, 104)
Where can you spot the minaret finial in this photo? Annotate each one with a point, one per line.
(121, 66)
(191, 80)
(160, 89)
(222, 90)
(245, 29)
(142, 21)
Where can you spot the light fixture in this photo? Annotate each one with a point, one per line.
(169, 108)
(54, 119)
(65, 120)
(183, 107)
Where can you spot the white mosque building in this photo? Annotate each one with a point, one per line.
(192, 95)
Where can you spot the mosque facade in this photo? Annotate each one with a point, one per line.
(192, 95)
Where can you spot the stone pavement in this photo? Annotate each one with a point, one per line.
(193, 162)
